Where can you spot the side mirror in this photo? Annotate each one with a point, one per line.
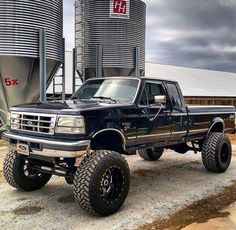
(160, 99)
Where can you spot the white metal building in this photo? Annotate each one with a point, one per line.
(196, 82)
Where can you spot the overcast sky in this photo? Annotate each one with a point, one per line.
(193, 33)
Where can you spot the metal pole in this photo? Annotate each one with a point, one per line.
(1, 119)
(54, 87)
(63, 73)
(42, 65)
(99, 57)
(74, 74)
(137, 62)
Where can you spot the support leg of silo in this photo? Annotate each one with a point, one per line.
(73, 71)
(42, 65)
(137, 62)
(63, 73)
(99, 57)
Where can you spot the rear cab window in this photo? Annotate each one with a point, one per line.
(175, 97)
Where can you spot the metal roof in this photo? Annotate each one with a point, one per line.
(193, 82)
(196, 82)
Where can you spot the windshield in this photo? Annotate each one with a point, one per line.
(111, 89)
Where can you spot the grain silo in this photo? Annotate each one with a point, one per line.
(110, 37)
(20, 22)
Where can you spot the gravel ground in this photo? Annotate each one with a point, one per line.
(157, 190)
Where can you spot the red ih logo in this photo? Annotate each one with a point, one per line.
(120, 6)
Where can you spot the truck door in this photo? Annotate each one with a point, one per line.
(179, 118)
(152, 132)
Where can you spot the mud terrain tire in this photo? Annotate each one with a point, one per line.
(101, 184)
(216, 152)
(151, 154)
(14, 169)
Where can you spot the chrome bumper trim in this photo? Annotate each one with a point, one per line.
(50, 148)
(59, 154)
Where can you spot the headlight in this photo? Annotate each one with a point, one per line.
(70, 125)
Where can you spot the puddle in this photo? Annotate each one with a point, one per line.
(228, 222)
(27, 210)
(198, 212)
(66, 199)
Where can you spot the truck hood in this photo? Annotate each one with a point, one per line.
(65, 107)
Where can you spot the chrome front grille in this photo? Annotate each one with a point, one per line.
(32, 122)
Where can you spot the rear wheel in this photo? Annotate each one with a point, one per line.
(216, 152)
(19, 173)
(151, 154)
(102, 183)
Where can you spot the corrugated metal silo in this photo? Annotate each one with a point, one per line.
(20, 22)
(117, 29)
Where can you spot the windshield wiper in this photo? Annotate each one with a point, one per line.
(106, 98)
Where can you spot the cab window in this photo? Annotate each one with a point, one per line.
(150, 91)
(174, 95)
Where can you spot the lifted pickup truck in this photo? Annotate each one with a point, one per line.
(103, 120)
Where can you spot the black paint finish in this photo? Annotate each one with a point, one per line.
(134, 121)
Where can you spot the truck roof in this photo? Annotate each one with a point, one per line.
(141, 78)
(157, 79)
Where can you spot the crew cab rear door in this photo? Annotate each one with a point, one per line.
(179, 117)
(152, 132)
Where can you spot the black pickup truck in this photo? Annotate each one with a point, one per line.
(105, 119)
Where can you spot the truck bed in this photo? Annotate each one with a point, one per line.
(201, 118)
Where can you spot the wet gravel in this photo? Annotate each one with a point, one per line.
(158, 189)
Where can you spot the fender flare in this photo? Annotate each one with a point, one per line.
(216, 121)
(113, 130)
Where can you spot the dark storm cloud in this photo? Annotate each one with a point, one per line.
(199, 33)
(194, 33)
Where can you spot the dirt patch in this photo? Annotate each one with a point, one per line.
(198, 212)
(143, 172)
(233, 139)
(149, 172)
(22, 199)
(1, 177)
(233, 142)
(234, 150)
(2, 144)
(27, 210)
(66, 199)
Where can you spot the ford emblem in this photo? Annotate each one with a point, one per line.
(30, 123)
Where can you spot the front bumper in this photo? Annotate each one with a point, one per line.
(48, 148)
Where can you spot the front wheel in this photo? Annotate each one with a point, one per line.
(151, 154)
(20, 174)
(216, 152)
(101, 184)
